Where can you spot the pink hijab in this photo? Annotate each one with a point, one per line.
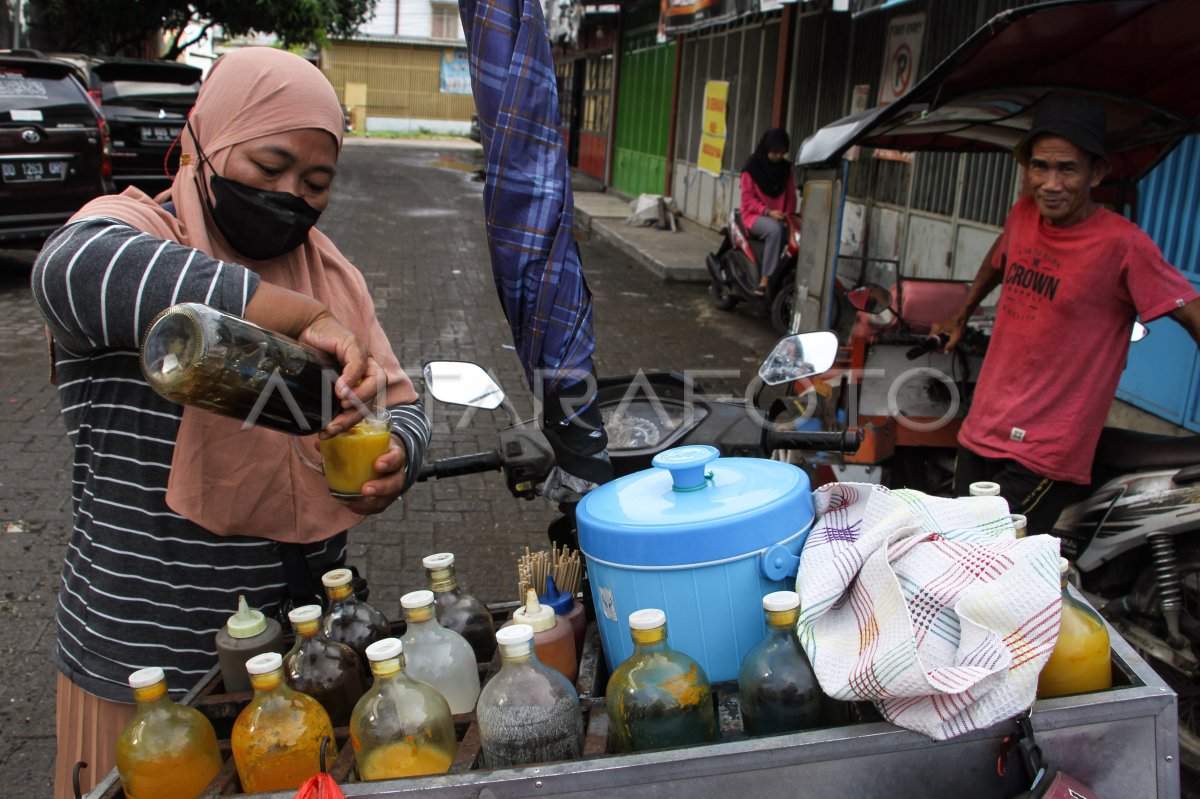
(225, 479)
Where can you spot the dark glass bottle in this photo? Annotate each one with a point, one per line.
(329, 672)
(778, 689)
(349, 620)
(458, 610)
(199, 356)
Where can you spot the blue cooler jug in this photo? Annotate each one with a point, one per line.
(702, 537)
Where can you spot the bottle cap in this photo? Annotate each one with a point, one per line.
(779, 601)
(538, 616)
(336, 578)
(385, 649)
(560, 601)
(647, 619)
(265, 663)
(514, 634)
(1063, 566)
(304, 613)
(247, 622)
(984, 489)
(144, 678)
(441, 560)
(416, 599)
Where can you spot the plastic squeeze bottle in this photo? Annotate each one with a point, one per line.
(168, 750)
(438, 656)
(658, 696)
(553, 642)
(1080, 661)
(568, 609)
(401, 727)
(349, 620)
(247, 633)
(327, 671)
(458, 610)
(778, 689)
(277, 738)
(527, 712)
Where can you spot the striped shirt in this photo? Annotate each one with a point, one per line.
(141, 585)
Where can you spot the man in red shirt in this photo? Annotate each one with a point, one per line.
(1073, 277)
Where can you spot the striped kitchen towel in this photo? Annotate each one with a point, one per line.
(930, 608)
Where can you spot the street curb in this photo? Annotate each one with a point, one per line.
(670, 273)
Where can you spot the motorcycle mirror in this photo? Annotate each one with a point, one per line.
(871, 298)
(1139, 332)
(797, 356)
(462, 383)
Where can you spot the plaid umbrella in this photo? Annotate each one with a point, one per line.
(529, 213)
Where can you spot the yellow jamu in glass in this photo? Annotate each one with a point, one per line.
(348, 459)
(1080, 662)
(401, 727)
(277, 738)
(168, 750)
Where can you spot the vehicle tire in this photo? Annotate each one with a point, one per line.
(782, 305)
(722, 300)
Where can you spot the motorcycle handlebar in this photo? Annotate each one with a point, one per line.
(846, 441)
(928, 345)
(460, 465)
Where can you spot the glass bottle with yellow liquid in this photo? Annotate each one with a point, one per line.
(658, 697)
(349, 620)
(1080, 662)
(168, 750)
(401, 727)
(778, 690)
(329, 672)
(277, 738)
(458, 610)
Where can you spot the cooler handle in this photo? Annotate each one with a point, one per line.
(779, 563)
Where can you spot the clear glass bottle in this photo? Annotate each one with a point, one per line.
(277, 738)
(778, 690)
(401, 727)
(458, 610)
(438, 656)
(658, 697)
(329, 672)
(1081, 661)
(527, 712)
(349, 620)
(196, 355)
(168, 750)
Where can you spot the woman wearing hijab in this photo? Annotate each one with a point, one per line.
(179, 511)
(768, 196)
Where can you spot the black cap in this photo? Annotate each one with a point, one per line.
(1075, 118)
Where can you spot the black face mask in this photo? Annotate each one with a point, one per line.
(259, 223)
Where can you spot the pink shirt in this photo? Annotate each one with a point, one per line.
(1068, 299)
(756, 204)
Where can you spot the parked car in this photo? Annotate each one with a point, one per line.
(474, 133)
(55, 152)
(145, 104)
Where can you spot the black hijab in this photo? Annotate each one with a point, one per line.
(770, 177)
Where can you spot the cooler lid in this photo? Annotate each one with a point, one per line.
(694, 508)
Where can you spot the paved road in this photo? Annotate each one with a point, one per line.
(411, 220)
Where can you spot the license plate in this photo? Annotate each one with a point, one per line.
(33, 171)
(159, 133)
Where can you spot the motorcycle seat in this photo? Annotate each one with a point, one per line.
(1127, 450)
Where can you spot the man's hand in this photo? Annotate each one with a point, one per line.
(954, 327)
(378, 494)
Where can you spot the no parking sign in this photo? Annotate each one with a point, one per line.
(901, 60)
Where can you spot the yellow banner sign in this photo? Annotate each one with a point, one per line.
(712, 136)
(712, 153)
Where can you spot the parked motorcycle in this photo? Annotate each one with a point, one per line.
(644, 414)
(736, 268)
(1135, 542)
